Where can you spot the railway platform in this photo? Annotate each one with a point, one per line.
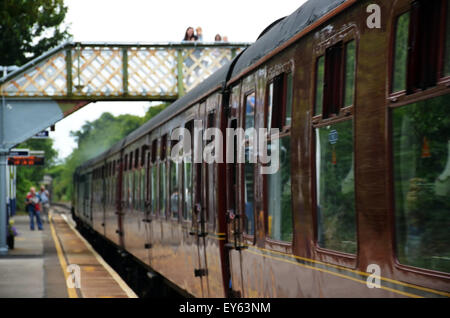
(56, 262)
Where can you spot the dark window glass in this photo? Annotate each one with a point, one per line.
(332, 96)
(336, 217)
(421, 150)
(275, 103)
(400, 53)
(350, 63)
(279, 198)
(136, 158)
(320, 75)
(130, 161)
(447, 43)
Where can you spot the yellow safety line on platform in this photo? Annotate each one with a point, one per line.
(62, 261)
(130, 293)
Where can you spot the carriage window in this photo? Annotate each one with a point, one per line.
(125, 166)
(136, 158)
(250, 111)
(418, 46)
(288, 116)
(249, 173)
(400, 53)
(333, 79)
(336, 218)
(162, 177)
(154, 175)
(279, 102)
(275, 103)
(320, 72)
(278, 185)
(174, 182)
(154, 200)
(447, 43)
(187, 176)
(130, 161)
(421, 156)
(350, 63)
(279, 198)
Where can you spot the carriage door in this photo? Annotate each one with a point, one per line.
(234, 219)
(199, 222)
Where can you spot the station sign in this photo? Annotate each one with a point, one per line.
(41, 135)
(26, 161)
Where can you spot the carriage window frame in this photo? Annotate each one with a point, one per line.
(412, 76)
(345, 113)
(339, 110)
(282, 90)
(211, 215)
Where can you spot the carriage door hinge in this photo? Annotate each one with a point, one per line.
(200, 272)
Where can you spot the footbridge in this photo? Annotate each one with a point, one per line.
(61, 81)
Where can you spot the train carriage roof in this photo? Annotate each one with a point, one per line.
(285, 29)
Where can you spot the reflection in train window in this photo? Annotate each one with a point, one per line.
(350, 63)
(250, 111)
(320, 74)
(421, 155)
(335, 194)
(400, 53)
(279, 198)
(187, 175)
(419, 45)
(154, 192)
(142, 192)
(288, 111)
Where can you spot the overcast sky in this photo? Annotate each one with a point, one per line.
(159, 21)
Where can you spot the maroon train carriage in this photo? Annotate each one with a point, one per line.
(360, 91)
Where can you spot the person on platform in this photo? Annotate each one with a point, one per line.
(33, 208)
(45, 202)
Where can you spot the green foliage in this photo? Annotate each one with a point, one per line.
(92, 139)
(30, 28)
(421, 141)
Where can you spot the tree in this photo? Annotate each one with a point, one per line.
(92, 139)
(30, 28)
